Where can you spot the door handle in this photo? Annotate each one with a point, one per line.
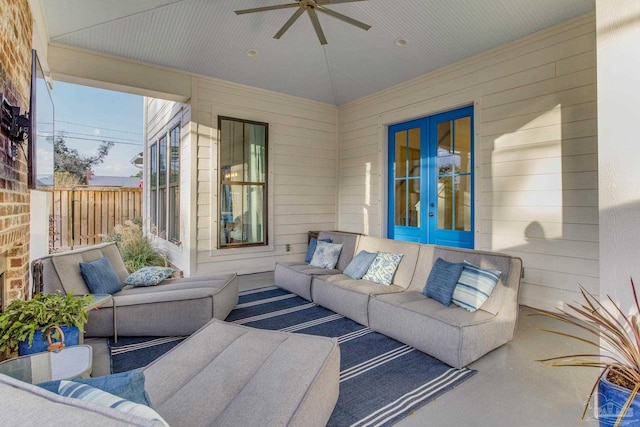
(431, 214)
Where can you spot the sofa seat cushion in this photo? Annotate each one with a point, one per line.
(451, 334)
(297, 277)
(452, 315)
(215, 282)
(311, 270)
(365, 287)
(230, 375)
(174, 307)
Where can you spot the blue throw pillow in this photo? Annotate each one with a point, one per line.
(360, 264)
(474, 286)
(100, 277)
(313, 243)
(127, 385)
(442, 281)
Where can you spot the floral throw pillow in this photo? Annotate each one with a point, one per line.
(383, 268)
(326, 255)
(149, 276)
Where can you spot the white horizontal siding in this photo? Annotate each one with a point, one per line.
(302, 184)
(535, 154)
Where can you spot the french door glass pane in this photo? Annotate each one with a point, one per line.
(445, 203)
(413, 217)
(401, 203)
(445, 148)
(462, 201)
(462, 144)
(413, 156)
(401, 154)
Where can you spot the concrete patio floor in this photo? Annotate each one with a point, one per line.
(510, 388)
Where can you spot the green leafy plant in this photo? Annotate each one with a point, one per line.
(22, 319)
(610, 330)
(137, 250)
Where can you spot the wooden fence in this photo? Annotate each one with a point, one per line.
(80, 215)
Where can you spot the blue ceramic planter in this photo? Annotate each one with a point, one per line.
(40, 344)
(611, 400)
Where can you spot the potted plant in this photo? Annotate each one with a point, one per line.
(25, 323)
(616, 335)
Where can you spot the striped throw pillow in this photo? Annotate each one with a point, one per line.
(474, 286)
(102, 398)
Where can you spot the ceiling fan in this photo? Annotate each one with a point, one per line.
(310, 6)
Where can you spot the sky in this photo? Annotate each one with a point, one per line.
(86, 116)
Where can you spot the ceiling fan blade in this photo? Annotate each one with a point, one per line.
(336, 1)
(343, 18)
(316, 26)
(289, 23)
(266, 8)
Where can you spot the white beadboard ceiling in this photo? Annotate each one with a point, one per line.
(205, 37)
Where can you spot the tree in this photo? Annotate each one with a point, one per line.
(69, 160)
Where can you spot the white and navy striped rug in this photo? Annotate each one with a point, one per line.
(381, 380)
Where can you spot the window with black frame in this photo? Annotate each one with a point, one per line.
(164, 186)
(243, 182)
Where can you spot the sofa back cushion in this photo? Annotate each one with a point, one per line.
(487, 260)
(62, 271)
(348, 241)
(409, 252)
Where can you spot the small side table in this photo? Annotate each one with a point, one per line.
(70, 362)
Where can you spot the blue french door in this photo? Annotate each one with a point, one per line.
(431, 179)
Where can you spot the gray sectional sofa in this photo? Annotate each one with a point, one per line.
(223, 375)
(174, 307)
(401, 310)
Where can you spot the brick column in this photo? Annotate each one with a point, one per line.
(16, 28)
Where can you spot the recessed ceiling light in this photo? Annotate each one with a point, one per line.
(401, 42)
(251, 53)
